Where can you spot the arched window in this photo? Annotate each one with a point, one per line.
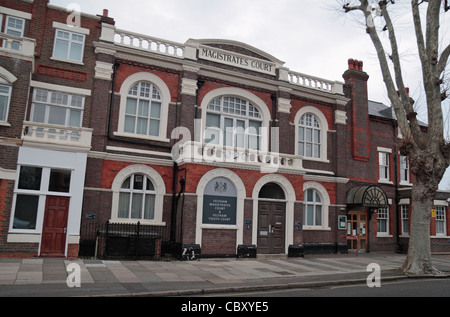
(316, 204)
(138, 195)
(234, 122)
(137, 198)
(6, 81)
(144, 104)
(309, 136)
(143, 109)
(312, 208)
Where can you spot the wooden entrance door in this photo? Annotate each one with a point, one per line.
(54, 234)
(357, 230)
(271, 227)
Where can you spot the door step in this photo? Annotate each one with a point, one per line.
(271, 256)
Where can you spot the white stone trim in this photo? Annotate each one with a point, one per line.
(241, 93)
(289, 192)
(15, 13)
(7, 76)
(166, 99)
(70, 28)
(340, 117)
(325, 205)
(241, 193)
(324, 128)
(284, 105)
(103, 70)
(160, 189)
(66, 89)
(189, 86)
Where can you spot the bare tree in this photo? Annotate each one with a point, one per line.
(429, 153)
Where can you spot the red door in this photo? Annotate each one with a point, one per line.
(54, 234)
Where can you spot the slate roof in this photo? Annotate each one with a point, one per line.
(380, 110)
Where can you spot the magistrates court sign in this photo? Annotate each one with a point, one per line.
(236, 60)
(220, 202)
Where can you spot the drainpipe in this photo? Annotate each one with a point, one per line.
(200, 83)
(274, 146)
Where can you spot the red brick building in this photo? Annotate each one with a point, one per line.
(214, 142)
(47, 74)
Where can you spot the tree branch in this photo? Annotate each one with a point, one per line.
(443, 60)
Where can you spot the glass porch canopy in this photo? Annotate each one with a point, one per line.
(367, 196)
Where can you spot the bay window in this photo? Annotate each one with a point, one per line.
(58, 108)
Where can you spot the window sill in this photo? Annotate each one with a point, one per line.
(385, 181)
(66, 61)
(5, 124)
(383, 235)
(306, 158)
(142, 137)
(312, 228)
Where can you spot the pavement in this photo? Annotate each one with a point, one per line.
(52, 277)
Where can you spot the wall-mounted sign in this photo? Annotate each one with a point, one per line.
(342, 222)
(219, 202)
(236, 60)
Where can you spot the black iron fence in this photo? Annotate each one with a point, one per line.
(127, 241)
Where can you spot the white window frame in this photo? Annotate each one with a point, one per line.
(165, 100)
(7, 79)
(160, 191)
(216, 107)
(3, 121)
(49, 104)
(315, 203)
(385, 219)
(15, 46)
(404, 170)
(303, 143)
(254, 100)
(404, 210)
(154, 97)
(42, 193)
(383, 162)
(131, 191)
(70, 41)
(324, 127)
(441, 218)
(325, 203)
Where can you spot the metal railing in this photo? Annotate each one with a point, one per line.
(127, 241)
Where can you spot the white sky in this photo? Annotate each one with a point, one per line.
(311, 37)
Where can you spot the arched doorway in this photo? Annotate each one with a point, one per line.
(362, 201)
(271, 220)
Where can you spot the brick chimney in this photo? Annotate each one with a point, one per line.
(356, 80)
(104, 18)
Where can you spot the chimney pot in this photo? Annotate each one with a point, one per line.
(105, 12)
(350, 63)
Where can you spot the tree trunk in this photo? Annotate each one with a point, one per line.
(418, 260)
